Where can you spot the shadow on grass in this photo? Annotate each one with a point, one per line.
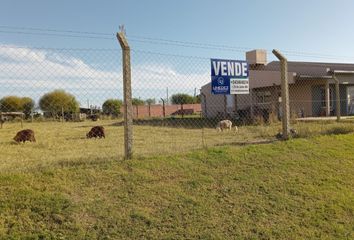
(255, 142)
(75, 138)
(317, 130)
(189, 123)
(339, 130)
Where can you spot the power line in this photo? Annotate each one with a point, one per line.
(184, 45)
(55, 35)
(234, 49)
(169, 55)
(156, 41)
(231, 48)
(55, 30)
(59, 49)
(188, 43)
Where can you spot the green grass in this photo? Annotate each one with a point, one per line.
(58, 143)
(67, 187)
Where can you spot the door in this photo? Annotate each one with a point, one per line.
(319, 101)
(351, 100)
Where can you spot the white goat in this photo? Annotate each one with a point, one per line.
(225, 124)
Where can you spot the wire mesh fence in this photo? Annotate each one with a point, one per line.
(62, 94)
(59, 94)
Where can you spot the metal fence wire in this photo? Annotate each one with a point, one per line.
(62, 94)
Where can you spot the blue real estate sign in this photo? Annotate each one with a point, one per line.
(229, 77)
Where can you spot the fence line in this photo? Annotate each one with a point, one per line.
(63, 93)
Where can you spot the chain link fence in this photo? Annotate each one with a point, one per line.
(61, 94)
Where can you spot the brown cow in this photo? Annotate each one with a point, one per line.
(96, 132)
(25, 135)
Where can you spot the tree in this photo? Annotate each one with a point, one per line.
(150, 101)
(197, 99)
(11, 104)
(17, 104)
(112, 107)
(181, 98)
(27, 106)
(57, 101)
(137, 102)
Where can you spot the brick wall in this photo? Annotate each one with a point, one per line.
(157, 110)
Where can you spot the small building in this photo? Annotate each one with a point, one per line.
(311, 90)
(92, 113)
(8, 116)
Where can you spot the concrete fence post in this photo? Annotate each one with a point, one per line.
(163, 108)
(205, 105)
(337, 97)
(127, 95)
(284, 94)
(62, 114)
(225, 107)
(328, 98)
(252, 106)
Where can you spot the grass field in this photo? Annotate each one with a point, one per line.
(67, 187)
(58, 143)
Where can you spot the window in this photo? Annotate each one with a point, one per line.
(323, 97)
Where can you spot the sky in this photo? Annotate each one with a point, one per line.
(201, 29)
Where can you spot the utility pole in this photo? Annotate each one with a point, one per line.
(167, 97)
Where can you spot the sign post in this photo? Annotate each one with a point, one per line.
(229, 77)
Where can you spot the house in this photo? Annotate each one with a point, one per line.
(311, 90)
(92, 113)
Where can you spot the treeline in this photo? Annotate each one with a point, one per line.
(58, 102)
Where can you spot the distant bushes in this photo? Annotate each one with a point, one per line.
(57, 102)
(111, 107)
(17, 104)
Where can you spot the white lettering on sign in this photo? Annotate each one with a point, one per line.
(244, 69)
(230, 68)
(223, 69)
(216, 66)
(238, 69)
(229, 77)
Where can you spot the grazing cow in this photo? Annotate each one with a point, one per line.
(96, 132)
(225, 124)
(25, 135)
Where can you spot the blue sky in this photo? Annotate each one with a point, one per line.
(317, 26)
(311, 28)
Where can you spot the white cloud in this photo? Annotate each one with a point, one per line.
(43, 68)
(36, 69)
(161, 76)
